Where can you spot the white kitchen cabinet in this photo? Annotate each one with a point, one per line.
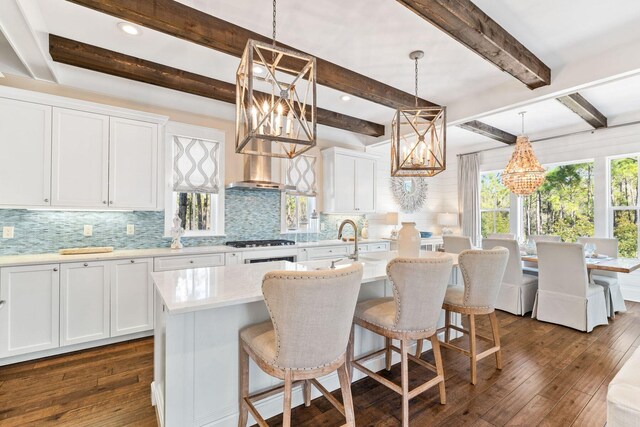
(233, 258)
(331, 252)
(303, 255)
(29, 309)
(133, 164)
(80, 166)
(84, 302)
(349, 181)
(25, 163)
(131, 296)
(186, 261)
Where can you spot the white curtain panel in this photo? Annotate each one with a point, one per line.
(195, 165)
(301, 173)
(469, 195)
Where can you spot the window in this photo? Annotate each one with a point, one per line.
(563, 205)
(623, 179)
(494, 204)
(195, 191)
(299, 202)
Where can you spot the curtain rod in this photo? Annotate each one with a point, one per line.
(554, 137)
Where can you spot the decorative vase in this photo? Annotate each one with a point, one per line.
(364, 233)
(409, 240)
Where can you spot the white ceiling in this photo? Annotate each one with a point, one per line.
(374, 39)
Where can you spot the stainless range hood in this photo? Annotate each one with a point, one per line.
(257, 176)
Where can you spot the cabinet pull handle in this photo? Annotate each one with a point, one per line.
(55, 268)
(2, 302)
(132, 261)
(46, 200)
(86, 265)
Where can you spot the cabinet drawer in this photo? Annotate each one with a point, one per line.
(378, 247)
(330, 252)
(183, 262)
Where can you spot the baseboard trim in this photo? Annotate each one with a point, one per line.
(630, 293)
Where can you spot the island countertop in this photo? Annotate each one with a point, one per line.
(184, 291)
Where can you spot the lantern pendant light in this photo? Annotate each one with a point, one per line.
(524, 173)
(418, 137)
(275, 100)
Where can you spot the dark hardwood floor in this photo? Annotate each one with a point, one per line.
(552, 376)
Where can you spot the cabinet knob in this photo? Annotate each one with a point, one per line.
(104, 202)
(2, 302)
(191, 262)
(86, 265)
(46, 200)
(55, 269)
(110, 202)
(132, 261)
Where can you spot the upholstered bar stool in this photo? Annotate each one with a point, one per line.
(482, 272)
(419, 285)
(306, 338)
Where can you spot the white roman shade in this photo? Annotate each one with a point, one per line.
(301, 174)
(195, 165)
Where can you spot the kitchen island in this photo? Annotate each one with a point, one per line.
(199, 313)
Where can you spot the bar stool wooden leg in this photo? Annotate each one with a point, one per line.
(404, 368)
(286, 410)
(347, 400)
(243, 389)
(496, 338)
(306, 389)
(388, 354)
(472, 348)
(447, 325)
(350, 351)
(419, 348)
(435, 345)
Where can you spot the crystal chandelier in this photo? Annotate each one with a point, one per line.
(523, 174)
(275, 100)
(418, 137)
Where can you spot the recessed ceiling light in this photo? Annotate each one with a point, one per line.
(345, 98)
(258, 69)
(130, 29)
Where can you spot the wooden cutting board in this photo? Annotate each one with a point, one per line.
(89, 250)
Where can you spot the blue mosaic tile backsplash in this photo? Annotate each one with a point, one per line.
(248, 215)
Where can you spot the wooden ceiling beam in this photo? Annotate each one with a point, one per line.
(179, 20)
(469, 25)
(583, 108)
(94, 58)
(489, 131)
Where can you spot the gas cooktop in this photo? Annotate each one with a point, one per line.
(260, 243)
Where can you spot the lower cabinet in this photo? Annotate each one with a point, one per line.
(29, 309)
(131, 296)
(84, 302)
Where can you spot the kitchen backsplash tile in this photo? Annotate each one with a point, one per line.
(249, 215)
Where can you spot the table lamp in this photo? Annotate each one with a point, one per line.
(447, 220)
(392, 219)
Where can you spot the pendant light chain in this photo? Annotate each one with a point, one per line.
(522, 113)
(416, 77)
(274, 23)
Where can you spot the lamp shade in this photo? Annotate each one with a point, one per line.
(392, 218)
(448, 219)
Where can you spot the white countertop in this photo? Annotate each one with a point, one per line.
(196, 289)
(55, 258)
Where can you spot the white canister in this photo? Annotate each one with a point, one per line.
(409, 240)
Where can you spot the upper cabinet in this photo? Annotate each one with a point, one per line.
(80, 159)
(25, 163)
(73, 154)
(349, 181)
(133, 164)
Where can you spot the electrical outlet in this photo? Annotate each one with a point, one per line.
(131, 229)
(7, 232)
(88, 230)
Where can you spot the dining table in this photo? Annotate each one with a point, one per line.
(617, 265)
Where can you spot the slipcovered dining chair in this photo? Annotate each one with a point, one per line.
(565, 296)
(532, 267)
(518, 290)
(456, 244)
(607, 279)
(501, 236)
(306, 338)
(419, 285)
(482, 271)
